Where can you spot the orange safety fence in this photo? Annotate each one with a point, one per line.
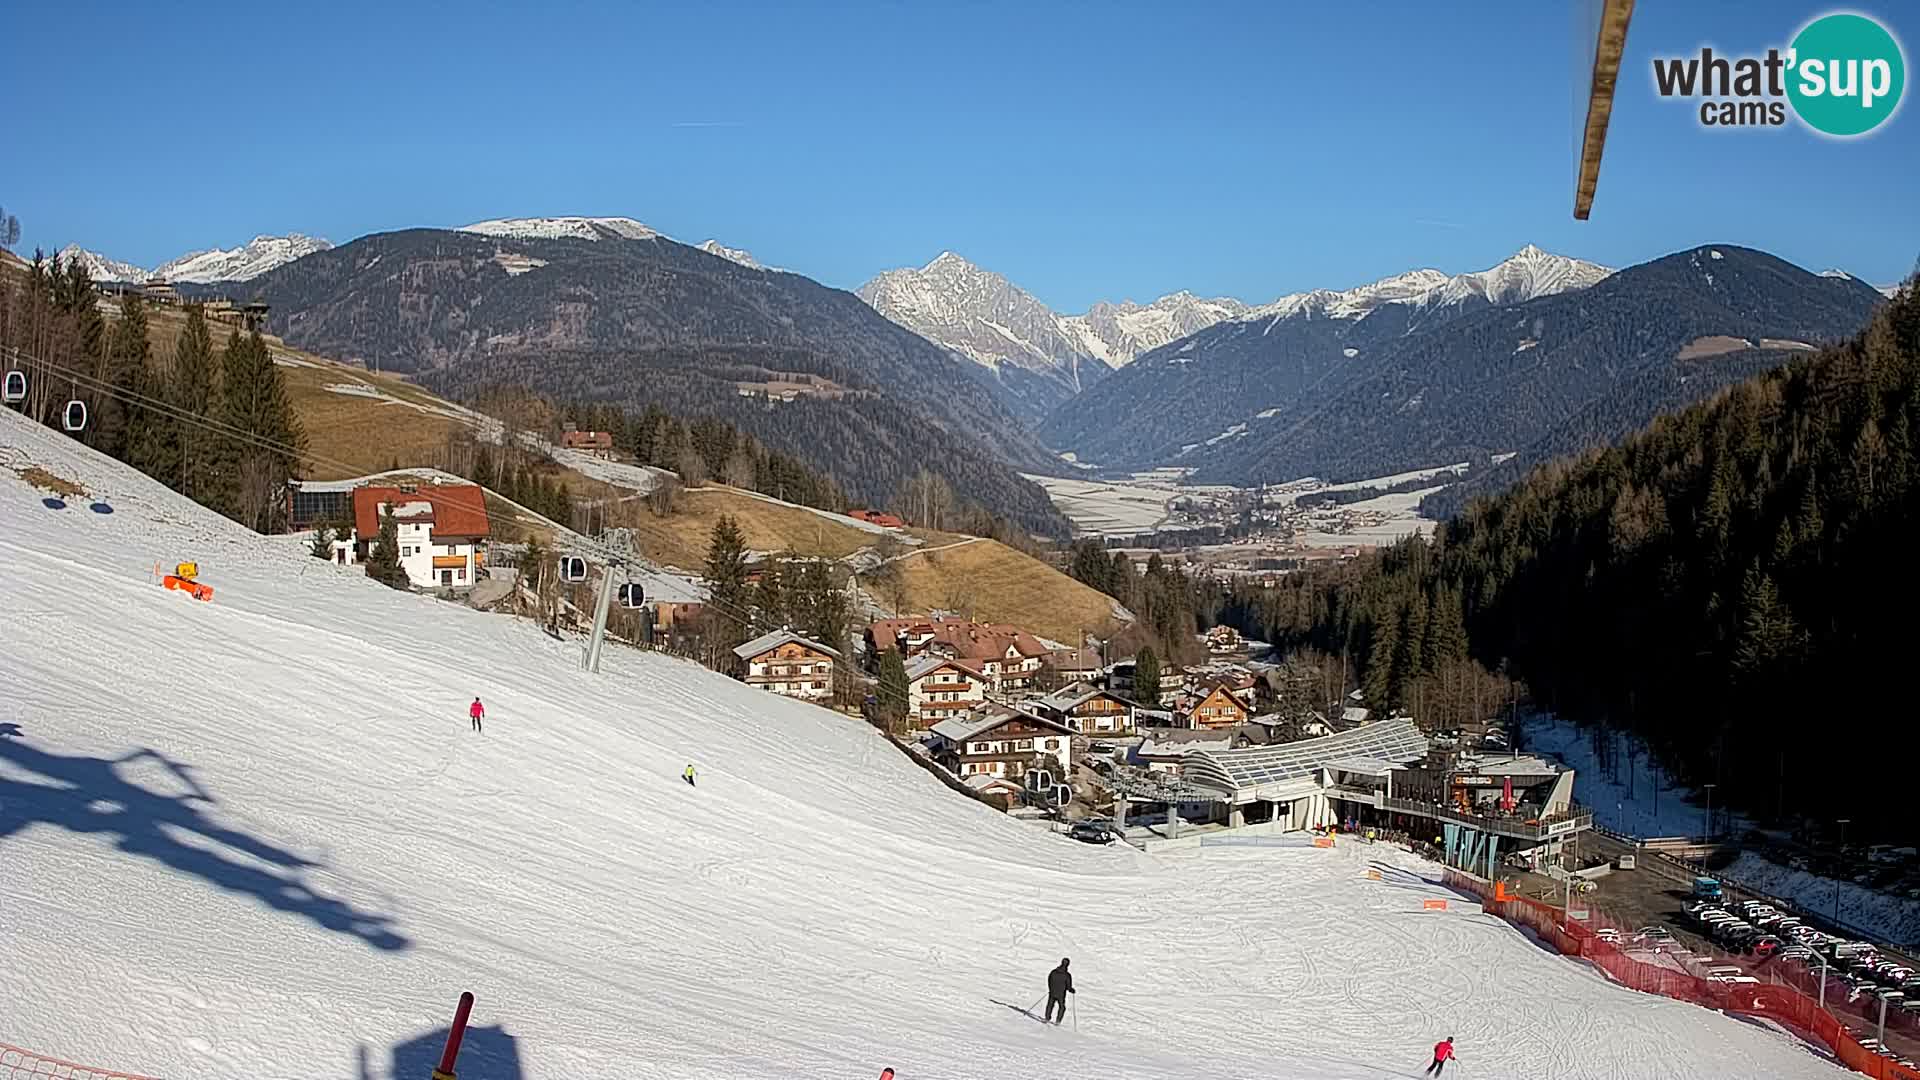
(19, 1064)
(1791, 1003)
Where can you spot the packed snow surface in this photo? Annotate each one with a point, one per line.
(255, 837)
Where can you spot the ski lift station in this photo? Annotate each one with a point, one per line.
(1388, 775)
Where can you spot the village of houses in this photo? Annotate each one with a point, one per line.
(1060, 733)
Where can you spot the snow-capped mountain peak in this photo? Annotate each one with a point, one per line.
(565, 228)
(982, 315)
(101, 268)
(738, 255)
(244, 263)
(250, 260)
(1529, 273)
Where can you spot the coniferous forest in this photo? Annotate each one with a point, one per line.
(1731, 585)
(213, 422)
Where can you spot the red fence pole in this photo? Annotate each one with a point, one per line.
(454, 1035)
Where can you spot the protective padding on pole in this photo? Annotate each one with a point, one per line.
(454, 1034)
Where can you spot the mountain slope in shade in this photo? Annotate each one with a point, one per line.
(1216, 383)
(1552, 374)
(100, 267)
(244, 263)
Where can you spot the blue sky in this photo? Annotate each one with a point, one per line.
(1086, 151)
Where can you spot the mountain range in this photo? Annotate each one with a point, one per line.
(1345, 388)
(1211, 385)
(606, 309)
(955, 367)
(1033, 356)
(244, 263)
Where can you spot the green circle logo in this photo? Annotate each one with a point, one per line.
(1847, 75)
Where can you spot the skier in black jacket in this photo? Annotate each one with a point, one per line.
(1059, 985)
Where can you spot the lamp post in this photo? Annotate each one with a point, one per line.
(1836, 880)
(1709, 788)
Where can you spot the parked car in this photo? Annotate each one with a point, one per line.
(1766, 946)
(1093, 831)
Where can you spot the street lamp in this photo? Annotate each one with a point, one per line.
(1710, 788)
(1836, 881)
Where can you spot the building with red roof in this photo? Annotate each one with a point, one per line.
(442, 530)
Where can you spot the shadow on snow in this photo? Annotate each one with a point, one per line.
(486, 1053)
(87, 795)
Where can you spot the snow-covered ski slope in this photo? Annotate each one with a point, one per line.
(254, 838)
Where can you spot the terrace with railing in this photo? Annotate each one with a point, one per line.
(1519, 826)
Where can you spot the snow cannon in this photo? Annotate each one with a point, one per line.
(184, 579)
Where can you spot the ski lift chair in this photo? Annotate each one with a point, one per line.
(16, 387)
(75, 416)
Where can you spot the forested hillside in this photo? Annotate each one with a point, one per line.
(805, 369)
(1729, 584)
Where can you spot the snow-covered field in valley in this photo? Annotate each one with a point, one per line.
(254, 837)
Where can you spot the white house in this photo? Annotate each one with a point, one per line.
(442, 531)
(941, 689)
(1001, 742)
(785, 663)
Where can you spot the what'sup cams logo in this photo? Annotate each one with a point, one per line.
(1842, 76)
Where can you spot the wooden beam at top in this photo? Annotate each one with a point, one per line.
(1612, 44)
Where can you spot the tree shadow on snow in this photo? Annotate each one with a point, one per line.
(88, 795)
(486, 1053)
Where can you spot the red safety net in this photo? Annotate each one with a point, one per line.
(19, 1064)
(1787, 995)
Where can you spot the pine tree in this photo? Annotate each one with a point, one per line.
(121, 416)
(827, 610)
(193, 391)
(1146, 677)
(321, 547)
(770, 600)
(893, 688)
(253, 398)
(383, 562)
(728, 601)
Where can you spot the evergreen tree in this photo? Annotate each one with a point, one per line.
(383, 562)
(728, 601)
(770, 601)
(253, 399)
(827, 611)
(893, 689)
(321, 547)
(121, 418)
(193, 391)
(1146, 677)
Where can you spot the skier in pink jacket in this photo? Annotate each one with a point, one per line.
(476, 712)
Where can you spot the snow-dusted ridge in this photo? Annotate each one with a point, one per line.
(1529, 273)
(244, 263)
(983, 316)
(222, 815)
(564, 228)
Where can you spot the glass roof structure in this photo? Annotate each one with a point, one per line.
(1241, 771)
